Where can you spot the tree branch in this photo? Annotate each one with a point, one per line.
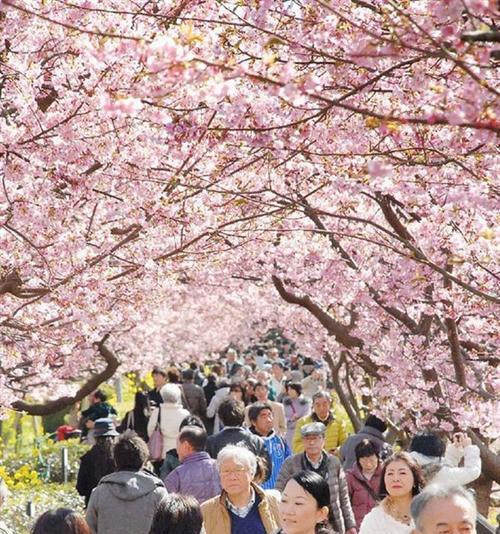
(53, 406)
(344, 399)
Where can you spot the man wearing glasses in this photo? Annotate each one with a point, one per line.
(315, 458)
(242, 507)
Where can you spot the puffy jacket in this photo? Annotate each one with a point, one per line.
(170, 418)
(336, 433)
(125, 501)
(197, 476)
(362, 500)
(216, 518)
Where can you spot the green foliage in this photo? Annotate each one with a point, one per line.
(42, 463)
(53, 421)
(46, 497)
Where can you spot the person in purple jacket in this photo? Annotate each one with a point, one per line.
(296, 406)
(197, 475)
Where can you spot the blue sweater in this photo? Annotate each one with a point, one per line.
(251, 524)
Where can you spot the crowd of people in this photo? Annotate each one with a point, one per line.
(254, 446)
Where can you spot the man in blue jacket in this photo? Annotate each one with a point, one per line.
(261, 419)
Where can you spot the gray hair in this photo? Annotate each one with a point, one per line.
(240, 454)
(322, 394)
(4, 491)
(171, 393)
(435, 491)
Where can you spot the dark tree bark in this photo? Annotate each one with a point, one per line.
(53, 406)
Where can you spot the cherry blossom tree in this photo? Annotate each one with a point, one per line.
(165, 164)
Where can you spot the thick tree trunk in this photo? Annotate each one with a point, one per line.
(482, 486)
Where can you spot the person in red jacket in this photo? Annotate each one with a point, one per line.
(364, 479)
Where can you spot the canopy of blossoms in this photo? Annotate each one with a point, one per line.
(181, 175)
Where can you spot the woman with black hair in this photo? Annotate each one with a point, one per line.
(137, 418)
(98, 461)
(364, 478)
(304, 505)
(177, 514)
(401, 481)
(61, 521)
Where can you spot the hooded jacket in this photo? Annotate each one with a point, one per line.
(125, 501)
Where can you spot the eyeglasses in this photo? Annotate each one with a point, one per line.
(238, 471)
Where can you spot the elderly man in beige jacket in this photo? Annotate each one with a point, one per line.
(262, 394)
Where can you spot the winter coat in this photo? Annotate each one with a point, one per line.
(125, 501)
(294, 410)
(445, 471)
(362, 500)
(278, 417)
(197, 476)
(216, 518)
(347, 451)
(170, 418)
(379, 522)
(336, 432)
(88, 478)
(195, 399)
(340, 505)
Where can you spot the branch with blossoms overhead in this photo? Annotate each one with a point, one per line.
(346, 149)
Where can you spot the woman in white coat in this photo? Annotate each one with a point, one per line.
(171, 414)
(401, 481)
